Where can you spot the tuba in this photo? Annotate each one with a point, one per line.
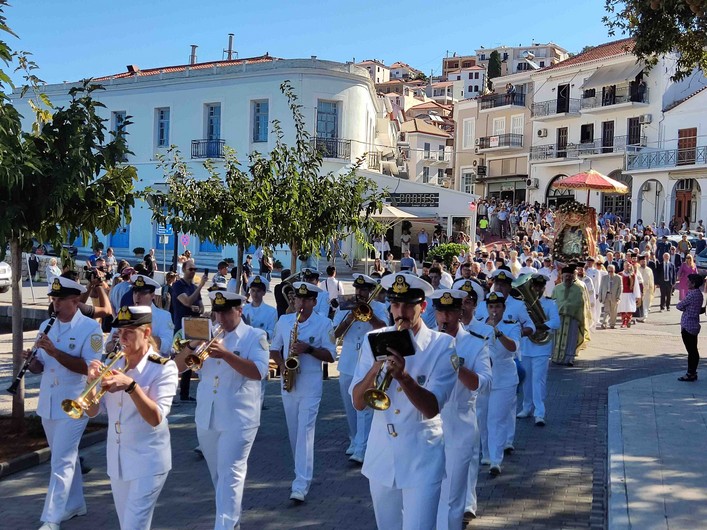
(532, 303)
(292, 361)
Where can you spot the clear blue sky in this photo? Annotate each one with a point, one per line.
(73, 39)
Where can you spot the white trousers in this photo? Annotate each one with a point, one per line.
(301, 416)
(470, 504)
(496, 412)
(647, 299)
(226, 454)
(405, 509)
(135, 500)
(65, 491)
(359, 421)
(535, 384)
(453, 495)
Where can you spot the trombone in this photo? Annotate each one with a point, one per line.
(361, 313)
(75, 408)
(195, 360)
(376, 397)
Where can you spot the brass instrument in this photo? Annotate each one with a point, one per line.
(362, 313)
(375, 397)
(292, 361)
(532, 303)
(195, 360)
(12, 389)
(74, 408)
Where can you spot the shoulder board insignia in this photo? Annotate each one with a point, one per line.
(96, 342)
(153, 357)
(477, 335)
(510, 321)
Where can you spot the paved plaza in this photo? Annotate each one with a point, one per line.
(556, 479)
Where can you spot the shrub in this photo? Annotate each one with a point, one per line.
(447, 251)
(139, 251)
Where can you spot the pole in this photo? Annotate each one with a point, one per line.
(31, 283)
(164, 253)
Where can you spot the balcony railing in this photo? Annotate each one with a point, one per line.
(499, 100)
(548, 108)
(615, 144)
(625, 94)
(207, 148)
(666, 158)
(501, 140)
(333, 147)
(374, 161)
(550, 151)
(437, 156)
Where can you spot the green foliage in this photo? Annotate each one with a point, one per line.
(661, 27)
(139, 251)
(447, 251)
(494, 69)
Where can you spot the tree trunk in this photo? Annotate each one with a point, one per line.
(293, 258)
(18, 400)
(239, 265)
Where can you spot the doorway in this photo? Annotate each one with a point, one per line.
(687, 146)
(563, 98)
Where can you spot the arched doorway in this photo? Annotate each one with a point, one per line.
(555, 197)
(619, 205)
(651, 198)
(687, 196)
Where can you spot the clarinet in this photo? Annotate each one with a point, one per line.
(18, 379)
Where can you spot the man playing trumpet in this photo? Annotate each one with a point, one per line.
(62, 357)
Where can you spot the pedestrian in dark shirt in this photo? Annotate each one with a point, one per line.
(691, 307)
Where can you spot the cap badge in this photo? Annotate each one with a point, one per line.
(56, 285)
(502, 276)
(400, 286)
(446, 299)
(140, 282)
(360, 280)
(124, 314)
(493, 297)
(302, 289)
(466, 287)
(257, 280)
(219, 299)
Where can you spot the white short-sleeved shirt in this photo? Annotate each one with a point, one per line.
(503, 368)
(354, 338)
(81, 337)
(226, 399)
(163, 328)
(262, 317)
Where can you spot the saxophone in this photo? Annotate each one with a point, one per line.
(292, 361)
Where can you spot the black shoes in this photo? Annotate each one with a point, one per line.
(688, 377)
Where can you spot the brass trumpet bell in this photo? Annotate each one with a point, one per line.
(376, 398)
(72, 408)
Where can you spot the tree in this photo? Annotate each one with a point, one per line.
(660, 27)
(494, 69)
(62, 179)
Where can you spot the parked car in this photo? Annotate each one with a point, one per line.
(5, 277)
(691, 237)
(47, 249)
(701, 262)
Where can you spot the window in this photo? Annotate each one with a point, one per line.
(213, 121)
(634, 132)
(542, 64)
(426, 153)
(483, 57)
(476, 75)
(327, 119)
(440, 175)
(468, 133)
(162, 127)
(499, 126)
(471, 88)
(586, 133)
(476, 88)
(505, 56)
(440, 153)
(260, 120)
(471, 75)
(517, 124)
(117, 121)
(468, 182)
(425, 174)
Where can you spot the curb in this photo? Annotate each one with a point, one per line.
(40, 456)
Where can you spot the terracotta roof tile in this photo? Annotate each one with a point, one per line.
(181, 68)
(602, 51)
(682, 100)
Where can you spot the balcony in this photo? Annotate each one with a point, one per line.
(501, 141)
(333, 147)
(624, 96)
(207, 148)
(552, 151)
(666, 158)
(613, 145)
(374, 161)
(555, 109)
(493, 101)
(437, 157)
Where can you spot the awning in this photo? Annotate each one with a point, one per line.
(613, 75)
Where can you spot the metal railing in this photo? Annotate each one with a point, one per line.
(666, 158)
(333, 147)
(548, 108)
(374, 161)
(615, 144)
(501, 140)
(624, 94)
(207, 148)
(549, 151)
(498, 100)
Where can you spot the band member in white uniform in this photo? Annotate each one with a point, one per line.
(497, 411)
(162, 327)
(138, 399)
(483, 332)
(461, 433)
(536, 357)
(62, 357)
(313, 345)
(354, 332)
(404, 460)
(228, 403)
(311, 276)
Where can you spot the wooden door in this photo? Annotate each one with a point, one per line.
(687, 146)
(562, 136)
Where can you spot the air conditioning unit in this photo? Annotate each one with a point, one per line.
(646, 187)
(532, 184)
(477, 141)
(476, 150)
(645, 119)
(542, 133)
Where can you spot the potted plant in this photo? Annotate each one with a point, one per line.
(277, 265)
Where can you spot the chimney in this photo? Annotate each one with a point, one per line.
(192, 57)
(229, 51)
(132, 69)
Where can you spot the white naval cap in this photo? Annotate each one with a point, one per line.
(143, 283)
(306, 290)
(223, 300)
(259, 281)
(62, 287)
(448, 299)
(406, 288)
(470, 286)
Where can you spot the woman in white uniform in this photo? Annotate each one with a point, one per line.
(138, 400)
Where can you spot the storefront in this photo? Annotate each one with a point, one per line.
(507, 190)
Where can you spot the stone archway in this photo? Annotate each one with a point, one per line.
(650, 207)
(555, 197)
(685, 202)
(619, 205)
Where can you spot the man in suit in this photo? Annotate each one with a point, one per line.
(609, 294)
(663, 246)
(675, 258)
(665, 278)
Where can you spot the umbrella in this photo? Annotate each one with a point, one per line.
(591, 180)
(391, 215)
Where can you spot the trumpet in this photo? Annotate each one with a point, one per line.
(195, 360)
(292, 361)
(75, 408)
(361, 313)
(375, 397)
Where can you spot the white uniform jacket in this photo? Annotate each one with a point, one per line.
(262, 317)
(227, 400)
(135, 448)
(81, 337)
(356, 335)
(323, 306)
(515, 310)
(459, 413)
(405, 450)
(503, 369)
(530, 349)
(163, 329)
(316, 331)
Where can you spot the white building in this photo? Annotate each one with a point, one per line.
(201, 107)
(378, 71)
(426, 149)
(468, 82)
(523, 58)
(400, 70)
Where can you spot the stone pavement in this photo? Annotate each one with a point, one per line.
(556, 479)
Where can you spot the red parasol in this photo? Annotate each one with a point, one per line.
(591, 180)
